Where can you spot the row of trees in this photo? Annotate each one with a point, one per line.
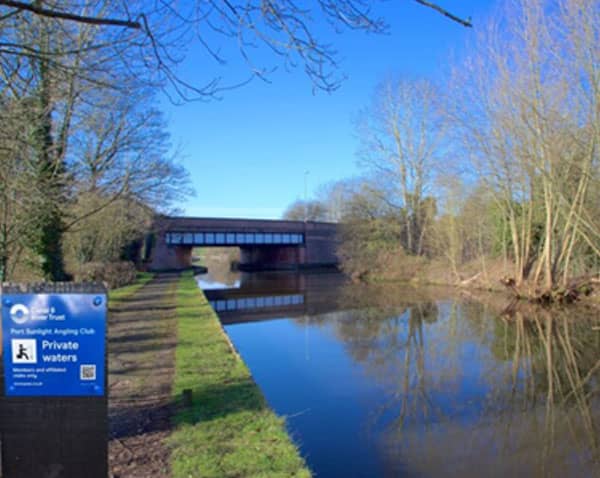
(533, 133)
(503, 162)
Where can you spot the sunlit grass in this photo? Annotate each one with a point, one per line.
(228, 429)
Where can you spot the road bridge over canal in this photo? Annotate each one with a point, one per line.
(264, 244)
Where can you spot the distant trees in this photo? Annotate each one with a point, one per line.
(306, 211)
(389, 214)
(335, 197)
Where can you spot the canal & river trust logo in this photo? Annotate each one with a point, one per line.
(19, 314)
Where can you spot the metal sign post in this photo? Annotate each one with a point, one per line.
(53, 410)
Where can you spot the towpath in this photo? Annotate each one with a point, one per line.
(141, 344)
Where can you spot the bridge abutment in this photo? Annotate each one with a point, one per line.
(170, 257)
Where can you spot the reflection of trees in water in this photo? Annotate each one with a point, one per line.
(389, 297)
(391, 343)
(555, 359)
(537, 405)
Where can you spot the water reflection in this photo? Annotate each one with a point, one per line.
(270, 295)
(384, 381)
(466, 390)
(218, 276)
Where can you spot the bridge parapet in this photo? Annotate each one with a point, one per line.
(216, 238)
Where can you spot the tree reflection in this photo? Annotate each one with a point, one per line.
(462, 384)
(555, 362)
(390, 342)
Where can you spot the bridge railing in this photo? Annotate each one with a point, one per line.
(214, 238)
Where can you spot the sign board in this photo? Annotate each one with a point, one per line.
(54, 344)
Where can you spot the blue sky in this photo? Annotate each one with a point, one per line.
(247, 153)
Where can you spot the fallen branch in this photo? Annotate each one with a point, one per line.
(469, 280)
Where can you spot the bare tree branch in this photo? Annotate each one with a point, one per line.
(446, 13)
(45, 12)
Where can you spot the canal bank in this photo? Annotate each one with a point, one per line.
(225, 427)
(165, 339)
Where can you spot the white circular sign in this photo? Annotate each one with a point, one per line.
(19, 313)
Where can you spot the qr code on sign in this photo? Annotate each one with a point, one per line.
(87, 372)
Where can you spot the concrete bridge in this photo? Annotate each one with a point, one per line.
(264, 244)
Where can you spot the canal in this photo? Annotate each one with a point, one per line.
(396, 381)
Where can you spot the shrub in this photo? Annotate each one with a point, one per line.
(113, 274)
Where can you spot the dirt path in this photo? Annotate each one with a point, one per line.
(142, 337)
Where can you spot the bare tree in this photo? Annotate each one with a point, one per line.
(337, 196)
(122, 174)
(402, 137)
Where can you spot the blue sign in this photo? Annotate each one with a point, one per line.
(54, 344)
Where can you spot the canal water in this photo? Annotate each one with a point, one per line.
(401, 382)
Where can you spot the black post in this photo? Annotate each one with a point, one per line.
(62, 434)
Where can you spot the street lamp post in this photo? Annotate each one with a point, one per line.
(305, 195)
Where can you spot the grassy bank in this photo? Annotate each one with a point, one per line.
(227, 430)
(123, 292)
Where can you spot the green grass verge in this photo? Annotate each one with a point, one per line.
(228, 430)
(121, 293)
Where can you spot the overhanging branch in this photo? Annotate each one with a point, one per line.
(446, 13)
(45, 12)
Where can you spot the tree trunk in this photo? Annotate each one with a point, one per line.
(50, 171)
